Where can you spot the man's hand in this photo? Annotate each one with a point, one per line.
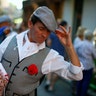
(64, 36)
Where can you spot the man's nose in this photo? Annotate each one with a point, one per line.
(44, 35)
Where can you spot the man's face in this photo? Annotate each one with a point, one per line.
(39, 33)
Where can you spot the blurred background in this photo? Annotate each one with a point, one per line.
(75, 12)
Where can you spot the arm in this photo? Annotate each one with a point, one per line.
(65, 39)
(56, 63)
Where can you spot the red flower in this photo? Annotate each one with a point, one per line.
(32, 69)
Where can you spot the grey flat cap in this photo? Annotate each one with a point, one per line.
(5, 18)
(47, 17)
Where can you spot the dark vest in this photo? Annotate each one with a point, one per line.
(21, 83)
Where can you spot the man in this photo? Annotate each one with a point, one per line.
(26, 58)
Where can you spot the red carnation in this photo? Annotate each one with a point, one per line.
(32, 69)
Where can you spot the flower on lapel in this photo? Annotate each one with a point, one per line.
(32, 69)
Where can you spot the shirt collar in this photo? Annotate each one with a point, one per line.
(24, 35)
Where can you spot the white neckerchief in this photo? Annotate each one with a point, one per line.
(28, 48)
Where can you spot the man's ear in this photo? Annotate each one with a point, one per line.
(30, 24)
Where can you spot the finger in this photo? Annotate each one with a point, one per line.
(64, 30)
(70, 29)
(59, 33)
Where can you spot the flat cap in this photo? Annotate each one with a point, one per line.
(47, 17)
(5, 18)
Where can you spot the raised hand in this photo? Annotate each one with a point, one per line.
(64, 36)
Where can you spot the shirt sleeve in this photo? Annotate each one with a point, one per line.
(76, 69)
(56, 63)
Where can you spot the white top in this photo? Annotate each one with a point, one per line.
(53, 62)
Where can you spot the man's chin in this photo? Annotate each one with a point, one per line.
(40, 42)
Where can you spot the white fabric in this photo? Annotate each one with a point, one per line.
(53, 62)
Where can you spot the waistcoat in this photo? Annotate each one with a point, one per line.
(20, 82)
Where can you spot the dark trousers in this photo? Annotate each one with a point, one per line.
(82, 85)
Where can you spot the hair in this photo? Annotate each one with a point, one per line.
(34, 19)
(80, 31)
(88, 35)
(63, 23)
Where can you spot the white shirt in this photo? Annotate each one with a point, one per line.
(53, 62)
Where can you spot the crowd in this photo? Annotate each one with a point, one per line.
(87, 54)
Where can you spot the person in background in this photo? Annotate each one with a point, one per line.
(54, 43)
(27, 60)
(77, 41)
(5, 27)
(86, 53)
(79, 36)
